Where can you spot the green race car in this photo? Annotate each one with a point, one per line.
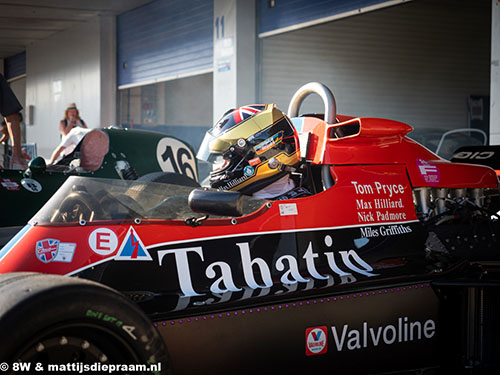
(109, 153)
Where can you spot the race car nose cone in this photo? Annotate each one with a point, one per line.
(37, 165)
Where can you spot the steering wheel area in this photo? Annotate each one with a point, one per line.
(330, 115)
(77, 207)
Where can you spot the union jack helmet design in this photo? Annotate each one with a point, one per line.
(241, 144)
(235, 116)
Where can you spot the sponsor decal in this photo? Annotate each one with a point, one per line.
(132, 248)
(287, 267)
(223, 66)
(103, 241)
(51, 250)
(478, 155)
(269, 143)
(403, 330)
(234, 182)
(253, 162)
(429, 172)
(46, 250)
(65, 252)
(31, 185)
(113, 320)
(248, 171)
(288, 209)
(10, 185)
(316, 340)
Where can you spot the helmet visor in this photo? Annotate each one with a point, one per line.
(206, 153)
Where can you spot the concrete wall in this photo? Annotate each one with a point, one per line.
(108, 70)
(19, 88)
(495, 74)
(61, 70)
(234, 55)
(188, 101)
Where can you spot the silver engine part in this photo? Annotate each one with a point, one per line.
(430, 202)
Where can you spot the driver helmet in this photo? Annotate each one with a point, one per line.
(249, 148)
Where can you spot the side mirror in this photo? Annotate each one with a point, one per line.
(37, 165)
(218, 203)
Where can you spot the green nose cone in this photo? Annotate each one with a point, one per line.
(37, 165)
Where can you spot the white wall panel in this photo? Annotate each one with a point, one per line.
(495, 74)
(18, 86)
(71, 58)
(417, 62)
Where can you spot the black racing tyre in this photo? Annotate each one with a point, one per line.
(51, 319)
(169, 178)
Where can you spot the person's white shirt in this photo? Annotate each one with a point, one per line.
(70, 140)
(68, 143)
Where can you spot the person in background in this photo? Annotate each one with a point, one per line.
(4, 132)
(4, 143)
(71, 120)
(9, 108)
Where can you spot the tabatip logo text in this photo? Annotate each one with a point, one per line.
(287, 266)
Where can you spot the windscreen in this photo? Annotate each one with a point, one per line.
(98, 199)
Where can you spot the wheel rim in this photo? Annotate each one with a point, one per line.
(77, 342)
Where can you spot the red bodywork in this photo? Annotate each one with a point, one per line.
(370, 154)
(377, 141)
(342, 198)
(389, 227)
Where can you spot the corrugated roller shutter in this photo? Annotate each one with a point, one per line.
(280, 16)
(15, 66)
(417, 62)
(164, 40)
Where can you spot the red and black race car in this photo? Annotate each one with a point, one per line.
(392, 265)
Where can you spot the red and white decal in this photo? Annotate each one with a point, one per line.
(10, 185)
(381, 198)
(103, 241)
(253, 162)
(316, 340)
(52, 250)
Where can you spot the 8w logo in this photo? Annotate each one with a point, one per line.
(316, 340)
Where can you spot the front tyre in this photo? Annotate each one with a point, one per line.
(50, 319)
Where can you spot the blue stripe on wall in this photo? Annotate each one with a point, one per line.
(164, 39)
(292, 12)
(15, 66)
